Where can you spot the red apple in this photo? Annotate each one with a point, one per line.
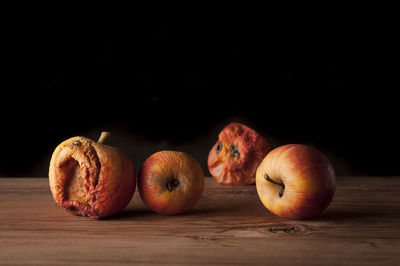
(295, 181)
(235, 157)
(170, 182)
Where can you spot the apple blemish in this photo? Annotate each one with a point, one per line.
(235, 151)
(218, 148)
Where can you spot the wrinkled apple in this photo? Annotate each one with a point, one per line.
(170, 182)
(88, 178)
(234, 158)
(295, 181)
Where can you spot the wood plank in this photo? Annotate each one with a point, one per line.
(229, 226)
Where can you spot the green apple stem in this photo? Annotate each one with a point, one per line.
(276, 183)
(104, 135)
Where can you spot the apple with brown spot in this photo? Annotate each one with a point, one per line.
(170, 182)
(234, 158)
(296, 181)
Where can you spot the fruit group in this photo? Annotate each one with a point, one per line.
(88, 178)
(170, 182)
(234, 158)
(295, 181)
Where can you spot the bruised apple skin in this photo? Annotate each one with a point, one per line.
(296, 181)
(170, 182)
(88, 178)
(234, 158)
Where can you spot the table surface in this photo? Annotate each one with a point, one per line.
(228, 226)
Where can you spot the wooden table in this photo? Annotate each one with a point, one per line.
(228, 226)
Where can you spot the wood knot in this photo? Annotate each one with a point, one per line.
(202, 238)
(285, 229)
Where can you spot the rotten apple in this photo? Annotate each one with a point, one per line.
(88, 178)
(234, 158)
(295, 181)
(170, 182)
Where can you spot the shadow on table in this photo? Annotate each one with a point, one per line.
(132, 214)
(355, 214)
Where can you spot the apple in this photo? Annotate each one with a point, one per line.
(234, 158)
(89, 178)
(295, 181)
(170, 182)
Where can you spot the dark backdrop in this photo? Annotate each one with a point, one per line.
(155, 85)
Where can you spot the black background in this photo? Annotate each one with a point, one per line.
(326, 81)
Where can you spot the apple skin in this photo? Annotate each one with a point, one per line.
(88, 178)
(170, 182)
(234, 158)
(307, 175)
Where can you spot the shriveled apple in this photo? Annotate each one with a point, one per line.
(88, 178)
(234, 158)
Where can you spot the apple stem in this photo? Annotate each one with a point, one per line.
(104, 135)
(273, 182)
(276, 183)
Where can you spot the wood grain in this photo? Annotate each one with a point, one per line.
(229, 226)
